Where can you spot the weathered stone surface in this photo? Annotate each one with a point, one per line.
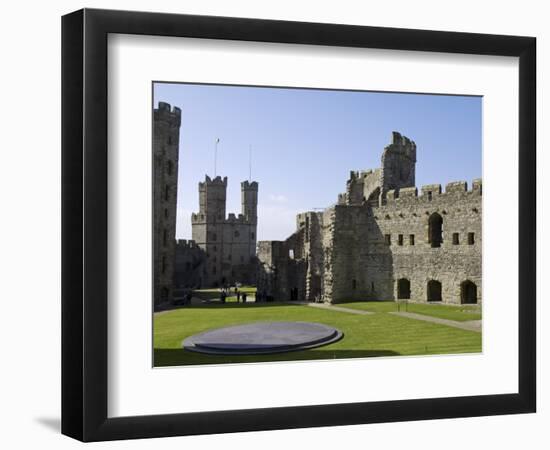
(375, 243)
(166, 130)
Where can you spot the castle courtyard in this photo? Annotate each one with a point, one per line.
(370, 329)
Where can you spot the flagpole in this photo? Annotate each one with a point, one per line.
(250, 163)
(216, 156)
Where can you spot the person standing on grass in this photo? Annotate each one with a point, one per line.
(244, 297)
(238, 296)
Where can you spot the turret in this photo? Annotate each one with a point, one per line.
(212, 195)
(166, 126)
(398, 163)
(249, 201)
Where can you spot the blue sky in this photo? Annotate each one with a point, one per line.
(305, 142)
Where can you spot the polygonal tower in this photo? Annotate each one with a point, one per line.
(249, 201)
(208, 224)
(166, 131)
(249, 205)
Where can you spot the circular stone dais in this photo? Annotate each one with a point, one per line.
(262, 337)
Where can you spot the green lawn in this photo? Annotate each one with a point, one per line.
(378, 334)
(459, 313)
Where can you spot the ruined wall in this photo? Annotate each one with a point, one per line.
(376, 247)
(380, 232)
(456, 259)
(166, 129)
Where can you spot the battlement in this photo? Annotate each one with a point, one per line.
(166, 113)
(163, 106)
(236, 218)
(249, 186)
(217, 181)
(184, 243)
(433, 192)
(232, 218)
(198, 218)
(399, 139)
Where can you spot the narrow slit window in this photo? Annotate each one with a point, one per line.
(411, 239)
(400, 239)
(471, 239)
(387, 237)
(455, 239)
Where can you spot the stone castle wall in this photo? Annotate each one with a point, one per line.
(376, 247)
(375, 243)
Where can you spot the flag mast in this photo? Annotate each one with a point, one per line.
(217, 141)
(250, 163)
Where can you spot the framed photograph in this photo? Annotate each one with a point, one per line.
(273, 224)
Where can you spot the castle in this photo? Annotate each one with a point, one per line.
(382, 241)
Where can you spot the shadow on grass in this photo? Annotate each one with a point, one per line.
(180, 357)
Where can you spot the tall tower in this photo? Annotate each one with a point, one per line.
(166, 132)
(398, 164)
(208, 225)
(249, 208)
(249, 201)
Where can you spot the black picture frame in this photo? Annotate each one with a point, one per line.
(84, 224)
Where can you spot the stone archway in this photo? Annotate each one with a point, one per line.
(468, 292)
(434, 291)
(403, 289)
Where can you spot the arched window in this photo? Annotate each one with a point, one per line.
(403, 289)
(434, 291)
(435, 230)
(468, 292)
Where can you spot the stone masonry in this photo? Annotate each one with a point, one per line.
(223, 248)
(382, 241)
(166, 130)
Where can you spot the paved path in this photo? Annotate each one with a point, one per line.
(471, 325)
(333, 308)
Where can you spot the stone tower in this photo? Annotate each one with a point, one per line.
(398, 164)
(166, 131)
(228, 240)
(249, 202)
(207, 224)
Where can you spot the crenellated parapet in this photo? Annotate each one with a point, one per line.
(216, 181)
(430, 193)
(186, 244)
(247, 185)
(166, 113)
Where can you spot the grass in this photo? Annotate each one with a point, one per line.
(458, 313)
(379, 334)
